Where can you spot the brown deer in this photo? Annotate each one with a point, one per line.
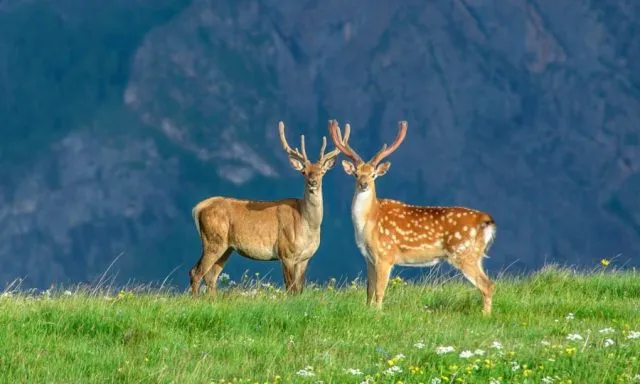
(287, 230)
(390, 232)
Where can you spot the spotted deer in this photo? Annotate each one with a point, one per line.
(390, 232)
(287, 230)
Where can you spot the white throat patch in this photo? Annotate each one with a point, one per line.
(359, 206)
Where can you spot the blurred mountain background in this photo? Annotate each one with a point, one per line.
(117, 117)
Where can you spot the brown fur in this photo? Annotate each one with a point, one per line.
(390, 232)
(287, 230)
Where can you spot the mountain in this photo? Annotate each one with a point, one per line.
(118, 117)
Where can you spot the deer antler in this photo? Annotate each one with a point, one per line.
(341, 144)
(293, 152)
(384, 152)
(336, 151)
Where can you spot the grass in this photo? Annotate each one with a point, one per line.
(553, 326)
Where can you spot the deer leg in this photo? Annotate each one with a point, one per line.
(299, 275)
(383, 270)
(288, 273)
(211, 277)
(371, 282)
(473, 271)
(210, 254)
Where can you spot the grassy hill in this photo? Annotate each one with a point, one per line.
(553, 326)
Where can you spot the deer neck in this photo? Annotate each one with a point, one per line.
(311, 207)
(363, 208)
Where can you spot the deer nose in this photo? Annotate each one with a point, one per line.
(313, 183)
(363, 185)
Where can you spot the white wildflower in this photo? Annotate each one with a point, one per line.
(251, 292)
(574, 337)
(493, 381)
(307, 371)
(392, 370)
(419, 345)
(608, 343)
(545, 342)
(224, 277)
(67, 293)
(636, 377)
(547, 380)
(496, 345)
(466, 354)
(399, 356)
(570, 316)
(442, 350)
(515, 366)
(633, 335)
(607, 330)
(436, 380)
(478, 352)
(355, 372)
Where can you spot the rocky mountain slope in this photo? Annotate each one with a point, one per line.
(117, 118)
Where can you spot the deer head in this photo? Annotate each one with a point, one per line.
(312, 172)
(365, 172)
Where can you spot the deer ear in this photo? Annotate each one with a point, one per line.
(296, 164)
(383, 168)
(330, 163)
(348, 166)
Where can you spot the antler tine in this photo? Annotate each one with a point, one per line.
(287, 148)
(324, 146)
(335, 152)
(347, 132)
(341, 143)
(304, 150)
(384, 152)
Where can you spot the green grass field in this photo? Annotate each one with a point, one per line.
(555, 326)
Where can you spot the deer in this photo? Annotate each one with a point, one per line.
(287, 230)
(390, 232)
